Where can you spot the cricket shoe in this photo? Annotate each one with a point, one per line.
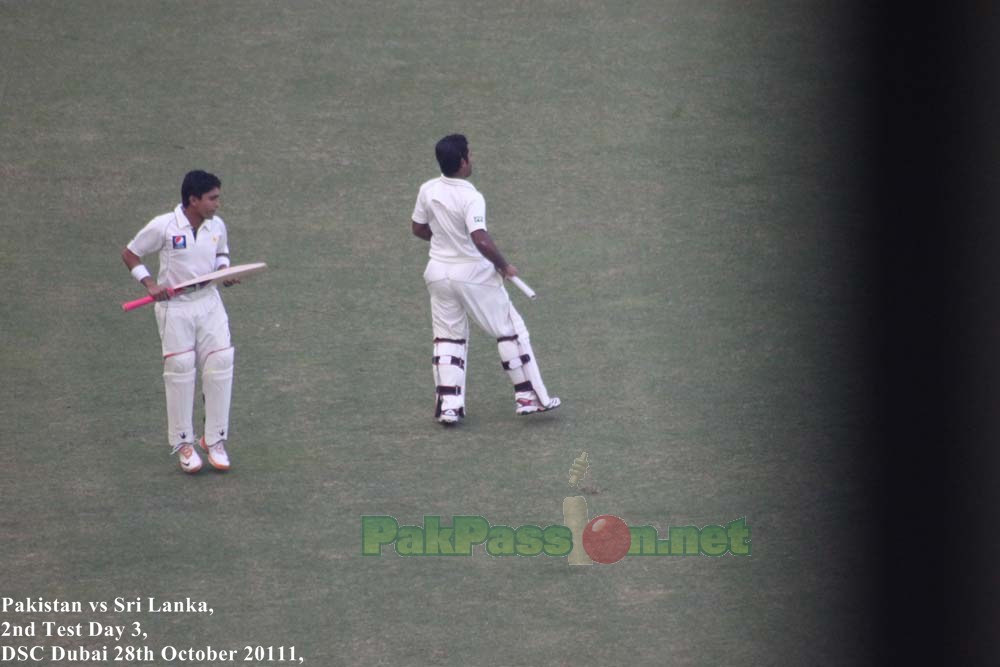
(449, 417)
(529, 406)
(217, 456)
(188, 456)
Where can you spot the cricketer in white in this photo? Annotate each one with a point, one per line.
(194, 328)
(465, 279)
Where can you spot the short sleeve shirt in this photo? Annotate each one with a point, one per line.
(454, 209)
(184, 255)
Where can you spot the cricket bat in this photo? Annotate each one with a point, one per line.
(228, 273)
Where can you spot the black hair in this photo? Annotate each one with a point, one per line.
(197, 183)
(450, 151)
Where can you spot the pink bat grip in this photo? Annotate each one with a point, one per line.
(138, 303)
(144, 301)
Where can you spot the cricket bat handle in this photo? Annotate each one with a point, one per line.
(523, 286)
(139, 303)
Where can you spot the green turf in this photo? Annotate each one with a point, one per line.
(668, 176)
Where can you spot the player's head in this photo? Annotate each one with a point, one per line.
(450, 152)
(196, 184)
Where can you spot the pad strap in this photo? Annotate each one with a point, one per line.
(516, 362)
(506, 338)
(449, 391)
(524, 386)
(445, 359)
(457, 341)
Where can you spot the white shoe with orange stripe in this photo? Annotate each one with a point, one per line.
(217, 456)
(189, 459)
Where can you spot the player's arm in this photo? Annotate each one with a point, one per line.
(421, 231)
(222, 259)
(132, 261)
(484, 243)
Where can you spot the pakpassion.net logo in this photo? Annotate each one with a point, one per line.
(582, 541)
(604, 539)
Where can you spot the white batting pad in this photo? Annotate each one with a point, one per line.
(449, 371)
(217, 385)
(178, 382)
(519, 362)
(533, 373)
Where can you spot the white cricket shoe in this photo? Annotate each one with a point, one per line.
(529, 406)
(188, 456)
(449, 417)
(217, 456)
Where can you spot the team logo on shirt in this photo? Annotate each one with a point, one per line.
(480, 220)
(180, 242)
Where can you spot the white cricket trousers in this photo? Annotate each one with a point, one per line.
(199, 323)
(194, 334)
(461, 291)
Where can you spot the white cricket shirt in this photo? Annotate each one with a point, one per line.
(454, 209)
(184, 255)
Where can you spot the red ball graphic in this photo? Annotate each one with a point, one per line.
(606, 539)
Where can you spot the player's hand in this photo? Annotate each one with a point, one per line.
(509, 271)
(159, 292)
(230, 283)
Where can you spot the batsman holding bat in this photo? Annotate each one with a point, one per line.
(465, 279)
(194, 328)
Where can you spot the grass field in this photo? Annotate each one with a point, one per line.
(670, 177)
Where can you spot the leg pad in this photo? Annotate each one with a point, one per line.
(518, 360)
(217, 383)
(178, 384)
(449, 375)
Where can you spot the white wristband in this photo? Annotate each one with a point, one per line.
(140, 272)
